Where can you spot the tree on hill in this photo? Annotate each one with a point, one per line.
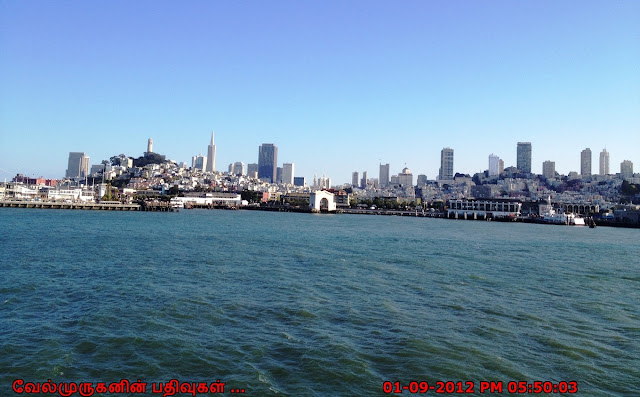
(149, 158)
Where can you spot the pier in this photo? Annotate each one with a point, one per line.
(70, 206)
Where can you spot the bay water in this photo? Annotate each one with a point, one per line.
(313, 305)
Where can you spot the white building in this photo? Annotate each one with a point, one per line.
(446, 164)
(494, 165)
(322, 201)
(287, 173)
(405, 178)
(211, 156)
(604, 162)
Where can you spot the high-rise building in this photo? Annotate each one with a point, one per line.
(252, 170)
(150, 146)
(78, 165)
(238, 168)
(494, 165)
(211, 156)
(585, 162)
(199, 162)
(524, 157)
(299, 181)
(405, 178)
(446, 164)
(626, 169)
(422, 180)
(604, 162)
(363, 181)
(384, 175)
(549, 169)
(267, 162)
(278, 174)
(355, 179)
(500, 167)
(287, 173)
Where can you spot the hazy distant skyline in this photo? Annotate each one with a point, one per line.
(336, 86)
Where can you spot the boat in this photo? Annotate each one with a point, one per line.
(176, 203)
(558, 217)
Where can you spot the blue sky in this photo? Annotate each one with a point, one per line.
(338, 86)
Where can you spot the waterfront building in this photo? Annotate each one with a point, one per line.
(287, 173)
(604, 162)
(78, 165)
(355, 177)
(211, 156)
(238, 168)
(483, 208)
(150, 146)
(626, 169)
(252, 170)
(405, 178)
(549, 169)
(363, 181)
(585, 162)
(524, 157)
(384, 175)
(446, 164)
(494, 165)
(267, 162)
(322, 201)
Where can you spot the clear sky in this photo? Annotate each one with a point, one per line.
(338, 86)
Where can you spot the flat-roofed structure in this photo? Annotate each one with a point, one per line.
(483, 208)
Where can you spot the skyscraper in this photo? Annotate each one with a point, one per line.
(267, 162)
(252, 170)
(585, 162)
(238, 168)
(604, 162)
(405, 178)
(211, 156)
(78, 165)
(384, 175)
(287, 173)
(626, 169)
(494, 165)
(364, 180)
(355, 179)
(549, 169)
(524, 157)
(446, 164)
(199, 162)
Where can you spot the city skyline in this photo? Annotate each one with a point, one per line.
(393, 86)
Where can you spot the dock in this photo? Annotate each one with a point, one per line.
(70, 206)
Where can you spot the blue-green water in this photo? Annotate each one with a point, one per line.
(301, 304)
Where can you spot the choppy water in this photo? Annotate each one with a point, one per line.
(300, 304)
